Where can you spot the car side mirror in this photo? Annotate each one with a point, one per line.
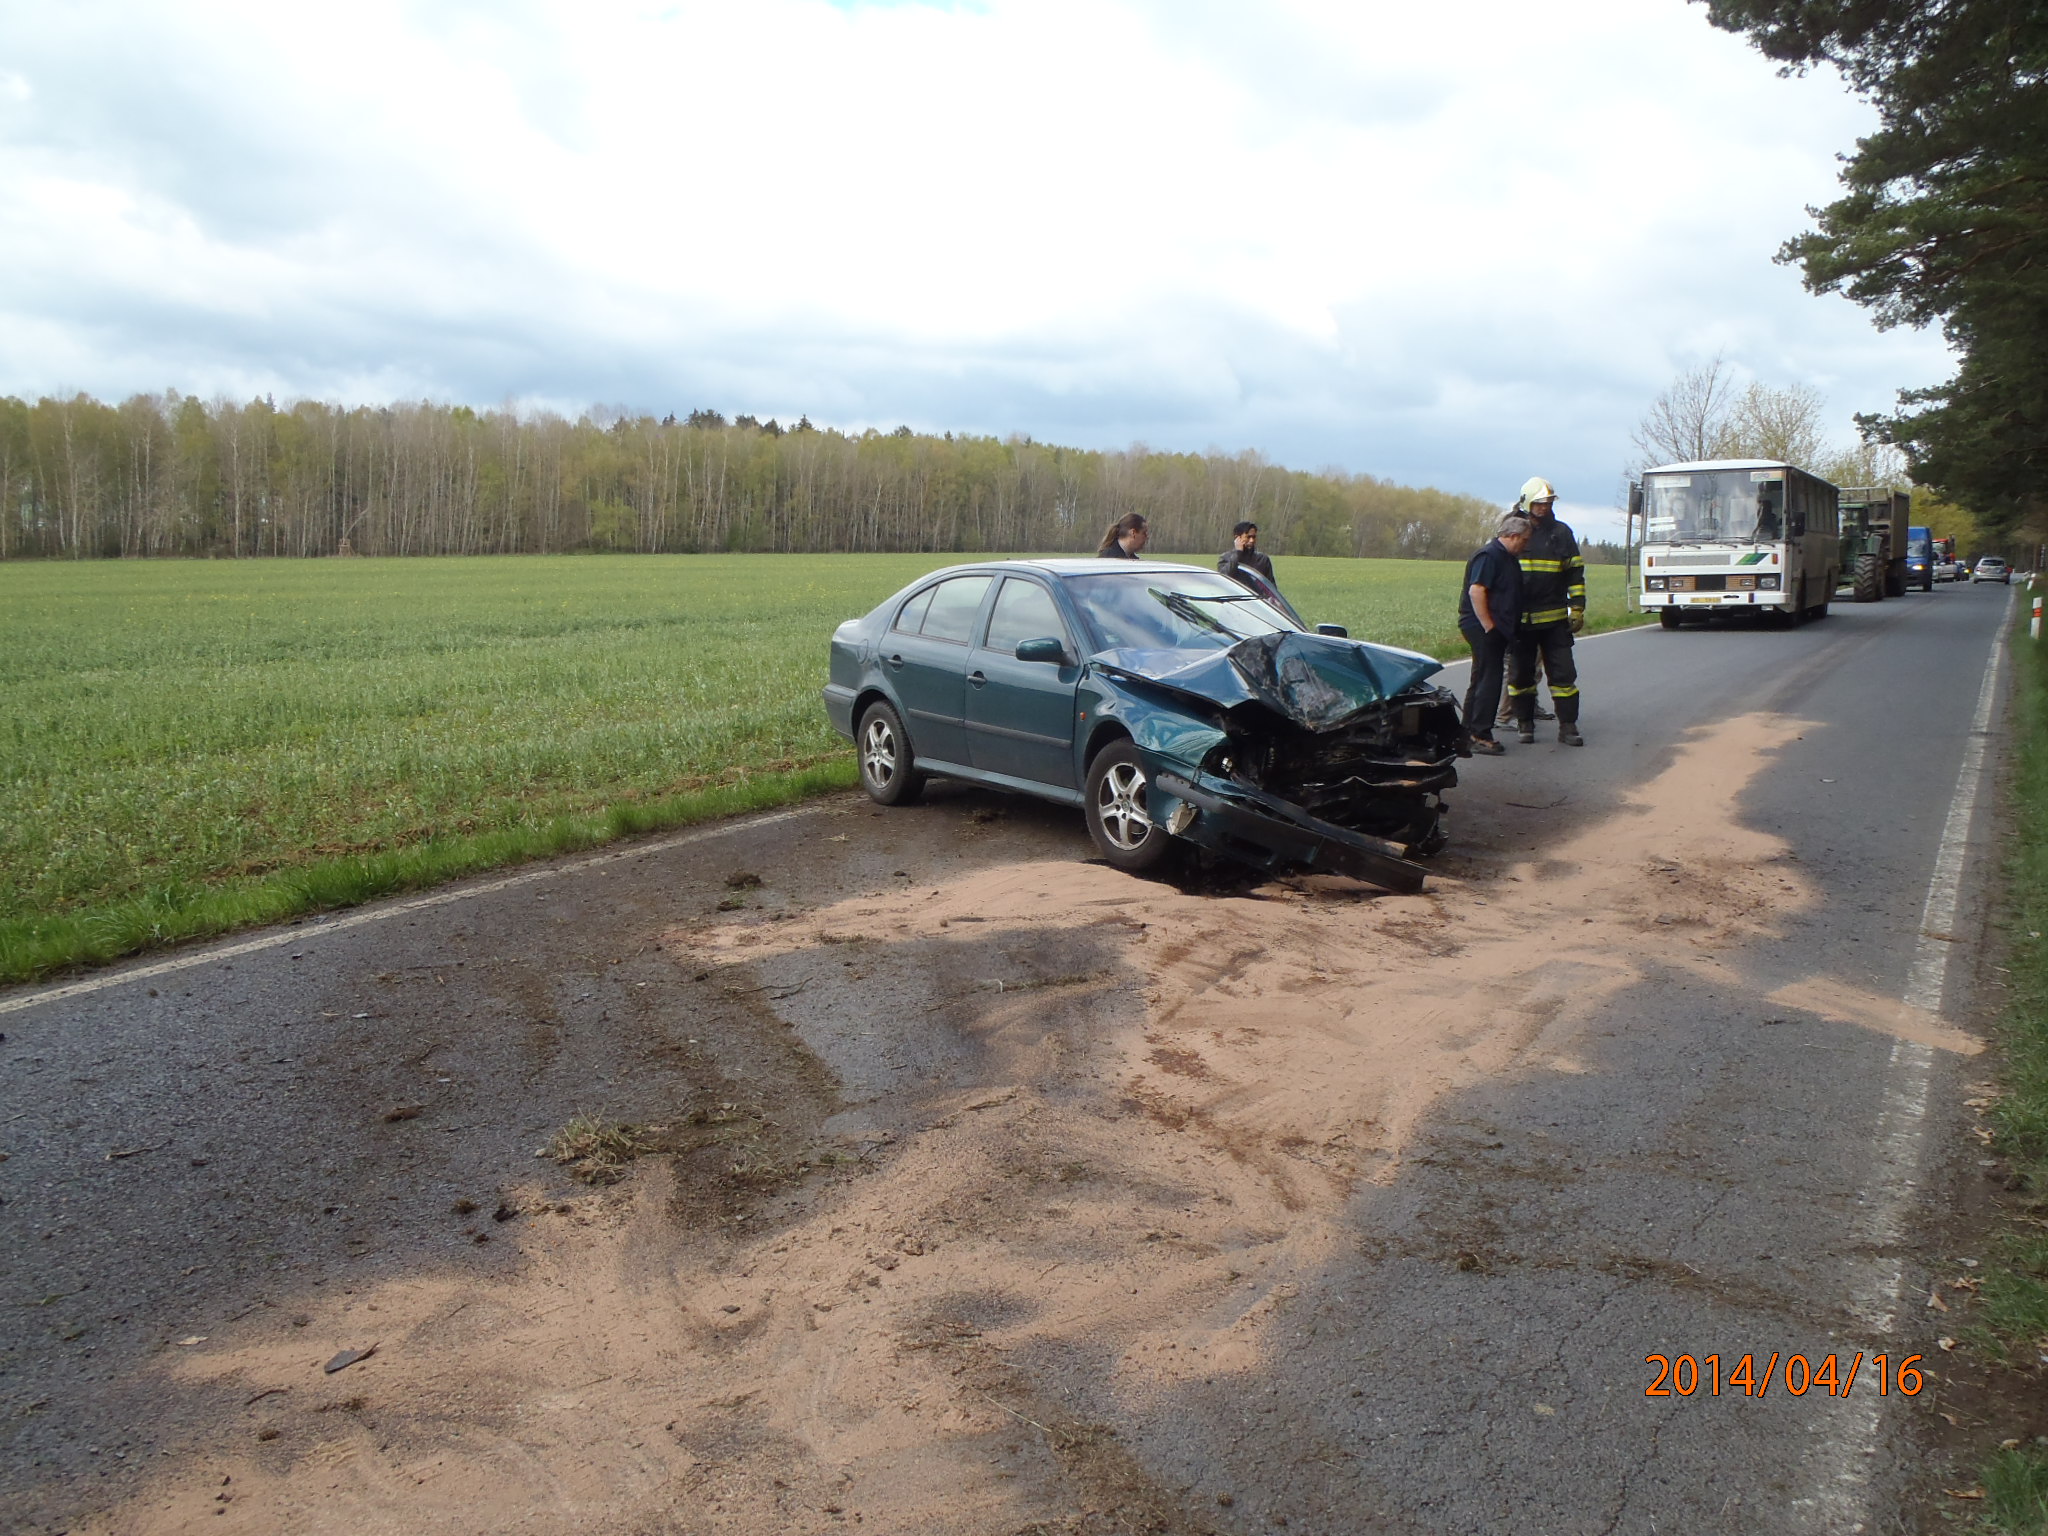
(1046, 649)
(1337, 630)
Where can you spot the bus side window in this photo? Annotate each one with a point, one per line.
(1795, 511)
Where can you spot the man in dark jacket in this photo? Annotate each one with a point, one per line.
(1553, 610)
(1488, 609)
(1244, 551)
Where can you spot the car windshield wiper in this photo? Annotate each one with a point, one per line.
(1182, 607)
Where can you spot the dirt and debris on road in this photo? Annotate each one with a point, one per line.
(1003, 1124)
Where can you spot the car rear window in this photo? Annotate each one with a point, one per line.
(910, 617)
(1024, 611)
(954, 606)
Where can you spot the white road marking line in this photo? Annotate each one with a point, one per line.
(310, 932)
(1902, 1122)
(1633, 629)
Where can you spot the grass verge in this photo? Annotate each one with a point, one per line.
(2016, 1493)
(34, 947)
(2011, 1321)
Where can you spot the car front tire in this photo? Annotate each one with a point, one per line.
(1122, 829)
(888, 766)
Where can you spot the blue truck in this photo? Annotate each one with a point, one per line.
(1920, 558)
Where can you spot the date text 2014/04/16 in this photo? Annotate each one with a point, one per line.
(1684, 1375)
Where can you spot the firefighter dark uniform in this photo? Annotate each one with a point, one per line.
(1553, 594)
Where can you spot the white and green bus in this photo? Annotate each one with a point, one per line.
(1724, 535)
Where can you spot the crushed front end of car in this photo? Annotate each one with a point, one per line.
(1297, 750)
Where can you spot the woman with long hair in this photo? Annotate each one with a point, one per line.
(1125, 539)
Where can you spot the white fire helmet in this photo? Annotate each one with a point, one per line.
(1535, 489)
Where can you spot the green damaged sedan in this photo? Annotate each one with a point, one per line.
(1169, 703)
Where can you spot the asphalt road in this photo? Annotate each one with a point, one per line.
(1721, 1183)
(1728, 1174)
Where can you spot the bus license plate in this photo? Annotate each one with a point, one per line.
(1709, 598)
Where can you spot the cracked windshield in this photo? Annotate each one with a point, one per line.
(1197, 609)
(1730, 506)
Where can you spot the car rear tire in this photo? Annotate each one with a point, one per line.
(1122, 829)
(888, 766)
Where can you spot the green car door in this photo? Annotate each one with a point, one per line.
(926, 653)
(1020, 714)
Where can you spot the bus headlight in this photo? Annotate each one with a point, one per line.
(1653, 583)
(1767, 583)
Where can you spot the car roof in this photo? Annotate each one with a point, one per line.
(1093, 566)
(1075, 566)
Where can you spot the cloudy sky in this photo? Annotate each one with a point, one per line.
(1451, 245)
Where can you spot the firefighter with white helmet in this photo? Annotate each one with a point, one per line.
(1553, 610)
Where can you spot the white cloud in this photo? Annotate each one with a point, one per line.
(1453, 245)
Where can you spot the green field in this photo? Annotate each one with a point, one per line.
(190, 746)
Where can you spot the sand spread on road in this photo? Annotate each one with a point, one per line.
(1114, 1128)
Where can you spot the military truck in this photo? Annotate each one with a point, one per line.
(1874, 521)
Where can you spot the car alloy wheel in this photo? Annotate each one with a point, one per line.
(1122, 829)
(1120, 806)
(888, 769)
(878, 750)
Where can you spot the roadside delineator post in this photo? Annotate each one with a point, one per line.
(2034, 624)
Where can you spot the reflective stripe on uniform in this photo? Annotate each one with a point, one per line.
(1532, 566)
(1571, 692)
(1516, 693)
(1547, 616)
(1579, 593)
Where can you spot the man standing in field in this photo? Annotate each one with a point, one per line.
(1553, 610)
(1488, 609)
(1244, 555)
(1245, 565)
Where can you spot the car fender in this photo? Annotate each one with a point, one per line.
(1173, 732)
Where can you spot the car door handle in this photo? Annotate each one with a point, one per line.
(976, 678)
(896, 661)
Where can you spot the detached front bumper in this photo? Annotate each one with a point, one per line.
(1266, 832)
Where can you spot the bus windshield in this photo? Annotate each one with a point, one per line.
(1721, 506)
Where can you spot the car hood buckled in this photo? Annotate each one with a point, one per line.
(1316, 681)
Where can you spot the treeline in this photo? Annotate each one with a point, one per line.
(166, 475)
